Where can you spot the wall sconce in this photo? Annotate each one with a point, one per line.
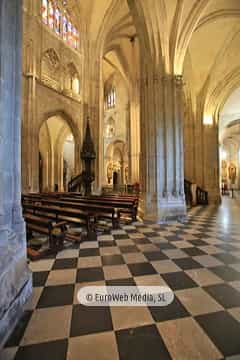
(208, 120)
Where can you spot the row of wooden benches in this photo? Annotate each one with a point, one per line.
(48, 213)
(126, 204)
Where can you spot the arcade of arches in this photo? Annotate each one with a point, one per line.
(159, 81)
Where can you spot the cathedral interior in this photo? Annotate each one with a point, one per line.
(119, 168)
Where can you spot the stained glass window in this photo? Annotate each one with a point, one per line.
(57, 25)
(110, 99)
(65, 28)
(44, 11)
(69, 35)
(51, 15)
(59, 21)
(75, 37)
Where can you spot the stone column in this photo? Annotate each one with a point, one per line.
(30, 143)
(161, 164)
(15, 279)
(134, 140)
(211, 163)
(189, 141)
(134, 121)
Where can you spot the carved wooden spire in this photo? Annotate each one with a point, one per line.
(88, 151)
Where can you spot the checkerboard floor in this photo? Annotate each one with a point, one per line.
(199, 260)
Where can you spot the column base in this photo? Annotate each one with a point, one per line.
(163, 210)
(214, 197)
(15, 286)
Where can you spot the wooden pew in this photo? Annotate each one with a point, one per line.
(127, 207)
(57, 213)
(124, 204)
(102, 212)
(45, 226)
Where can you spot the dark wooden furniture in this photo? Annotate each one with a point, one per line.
(101, 212)
(74, 216)
(45, 226)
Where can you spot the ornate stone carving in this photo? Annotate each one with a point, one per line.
(52, 57)
(51, 69)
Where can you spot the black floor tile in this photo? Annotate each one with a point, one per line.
(65, 264)
(90, 319)
(141, 269)
(223, 330)
(131, 231)
(107, 243)
(180, 232)
(56, 296)
(198, 242)
(173, 311)
(227, 258)
(90, 274)
(227, 247)
(151, 234)
(179, 281)
(121, 282)
(226, 273)
(39, 278)
(173, 238)
(88, 252)
(141, 343)
(112, 260)
(155, 255)
(121, 237)
(141, 241)
(193, 251)
(54, 350)
(225, 237)
(187, 263)
(128, 249)
(225, 294)
(18, 332)
(202, 234)
(166, 246)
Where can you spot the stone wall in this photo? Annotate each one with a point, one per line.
(48, 65)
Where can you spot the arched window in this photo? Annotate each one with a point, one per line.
(59, 21)
(110, 98)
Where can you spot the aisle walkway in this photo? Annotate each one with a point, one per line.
(199, 260)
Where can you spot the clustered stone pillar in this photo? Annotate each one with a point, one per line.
(15, 279)
(211, 163)
(162, 168)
